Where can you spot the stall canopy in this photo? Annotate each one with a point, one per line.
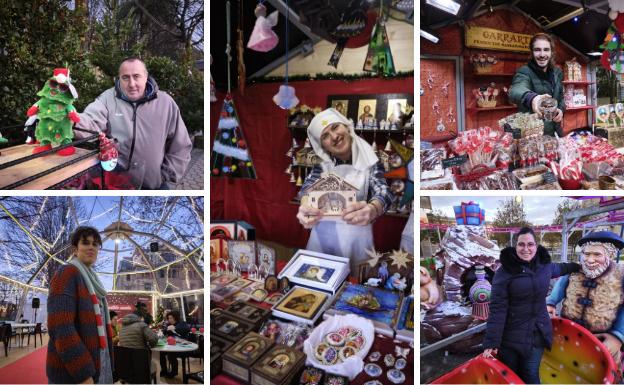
(581, 24)
(152, 246)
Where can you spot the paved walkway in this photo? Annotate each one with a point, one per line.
(194, 177)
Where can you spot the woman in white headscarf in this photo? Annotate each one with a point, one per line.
(345, 154)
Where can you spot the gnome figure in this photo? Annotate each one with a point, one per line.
(55, 113)
(108, 153)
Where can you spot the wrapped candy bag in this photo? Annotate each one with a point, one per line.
(262, 38)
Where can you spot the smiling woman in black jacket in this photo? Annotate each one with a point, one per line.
(518, 327)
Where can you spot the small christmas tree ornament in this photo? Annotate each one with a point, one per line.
(108, 153)
(379, 56)
(55, 112)
(479, 295)
(230, 153)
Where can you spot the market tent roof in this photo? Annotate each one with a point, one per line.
(151, 245)
(581, 24)
(309, 22)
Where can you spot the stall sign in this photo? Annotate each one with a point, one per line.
(489, 38)
(456, 161)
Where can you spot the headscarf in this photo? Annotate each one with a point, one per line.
(362, 155)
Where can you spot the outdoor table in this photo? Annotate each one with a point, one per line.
(15, 325)
(43, 172)
(181, 346)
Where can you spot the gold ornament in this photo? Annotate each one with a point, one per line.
(400, 258)
(374, 257)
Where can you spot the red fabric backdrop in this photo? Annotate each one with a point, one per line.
(264, 202)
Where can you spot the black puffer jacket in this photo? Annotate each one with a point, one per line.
(518, 303)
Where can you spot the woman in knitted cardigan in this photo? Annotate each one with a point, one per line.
(80, 347)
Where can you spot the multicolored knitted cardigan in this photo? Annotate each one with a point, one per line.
(73, 350)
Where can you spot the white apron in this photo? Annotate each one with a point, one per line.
(335, 236)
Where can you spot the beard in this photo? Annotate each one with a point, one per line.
(595, 272)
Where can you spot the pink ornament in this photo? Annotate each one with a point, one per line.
(193, 330)
(171, 341)
(201, 330)
(262, 37)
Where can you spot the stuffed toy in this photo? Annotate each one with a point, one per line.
(55, 113)
(429, 291)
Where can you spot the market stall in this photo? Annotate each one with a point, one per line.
(283, 312)
(473, 137)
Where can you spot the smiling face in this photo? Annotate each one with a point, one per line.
(132, 79)
(87, 250)
(594, 257)
(542, 53)
(526, 247)
(336, 140)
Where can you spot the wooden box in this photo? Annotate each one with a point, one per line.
(228, 327)
(253, 314)
(277, 367)
(218, 346)
(238, 359)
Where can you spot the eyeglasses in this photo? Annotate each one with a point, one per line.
(529, 245)
(61, 86)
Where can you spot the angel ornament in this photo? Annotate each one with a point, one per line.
(263, 39)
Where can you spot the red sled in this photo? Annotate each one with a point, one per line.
(480, 370)
(576, 357)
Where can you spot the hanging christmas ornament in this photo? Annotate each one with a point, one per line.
(55, 112)
(288, 169)
(374, 146)
(388, 147)
(299, 181)
(285, 97)
(307, 143)
(352, 23)
(379, 57)
(213, 92)
(262, 38)
(292, 178)
(240, 49)
(108, 153)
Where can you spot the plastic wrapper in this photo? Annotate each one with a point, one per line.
(446, 182)
(528, 124)
(482, 145)
(536, 150)
(355, 363)
(498, 180)
(592, 170)
(431, 163)
(286, 333)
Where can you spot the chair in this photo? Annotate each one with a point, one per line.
(5, 336)
(34, 332)
(132, 366)
(199, 353)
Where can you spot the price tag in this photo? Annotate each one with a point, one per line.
(549, 177)
(455, 161)
(515, 132)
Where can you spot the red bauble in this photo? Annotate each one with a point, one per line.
(215, 171)
(242, 144)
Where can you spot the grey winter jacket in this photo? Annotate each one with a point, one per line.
(136, 334)
(150, 130)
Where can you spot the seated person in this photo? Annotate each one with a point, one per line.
(136, 334)
(177, 328)
(114, 325)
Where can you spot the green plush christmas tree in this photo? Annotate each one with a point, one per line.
(55, 112)
(230, 156)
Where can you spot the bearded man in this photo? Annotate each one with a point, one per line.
(593, 297)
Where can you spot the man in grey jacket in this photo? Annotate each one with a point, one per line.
(146, 123)
(136, 334)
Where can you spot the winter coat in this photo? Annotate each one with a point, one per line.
(518, 301)
(74, 347)
(530, 81)
(136, 334)
(150, 130)
(181, 328)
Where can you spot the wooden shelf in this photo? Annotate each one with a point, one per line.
(580, 108)
(494, 74)
(481, 109)
(572, 83)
